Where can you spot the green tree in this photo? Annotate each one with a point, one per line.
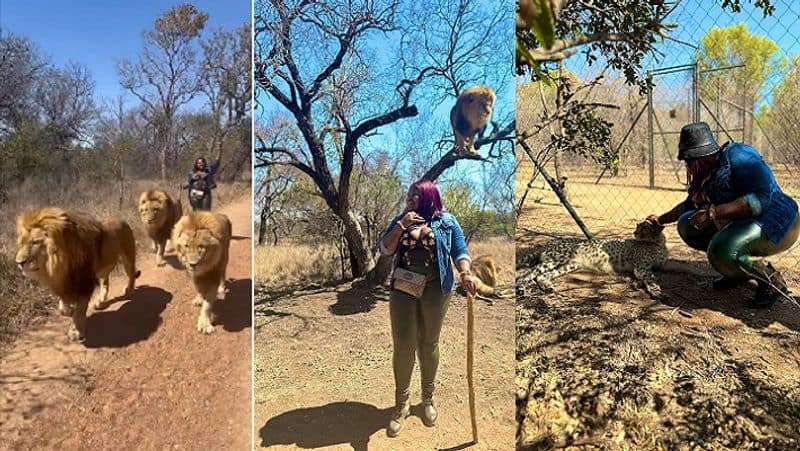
(781, 117)
(165, 78)
(738, 88)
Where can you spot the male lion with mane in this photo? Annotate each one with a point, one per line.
(202, 240)
(159, 213)
(72, 253)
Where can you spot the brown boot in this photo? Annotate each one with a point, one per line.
(401, 410)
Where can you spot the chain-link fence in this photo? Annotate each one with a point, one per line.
(739, 72)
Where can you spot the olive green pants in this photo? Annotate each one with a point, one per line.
(732, 247)
(416, 324)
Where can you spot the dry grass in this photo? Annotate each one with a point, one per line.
(289, 264)
(293, 264)
(21, 300)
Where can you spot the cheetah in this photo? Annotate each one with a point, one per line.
(640, 255)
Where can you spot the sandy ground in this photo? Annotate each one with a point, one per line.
(324, 376)
(601, 365)
(145, 379)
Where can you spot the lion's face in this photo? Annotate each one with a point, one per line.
(198, 250)
(483, 103)
(152, 211)
(32, 244)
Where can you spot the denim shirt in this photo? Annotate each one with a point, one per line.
(743, 173)
(450, 244)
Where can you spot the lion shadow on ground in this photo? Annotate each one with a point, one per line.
(173, 262)
(133, 321)
(234, 313)
(337, 423)
(687, 285)
(357, 300)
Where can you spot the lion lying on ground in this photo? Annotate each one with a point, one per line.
(71, 253)
(202, 241)
(485, 271)
(159, 213)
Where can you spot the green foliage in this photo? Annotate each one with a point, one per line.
(475, 219)
(624, 32)
(735, 45)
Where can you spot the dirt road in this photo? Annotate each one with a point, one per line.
(145, 379)
(324, 374)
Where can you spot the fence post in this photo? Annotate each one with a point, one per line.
(652, 154)
(696, 89)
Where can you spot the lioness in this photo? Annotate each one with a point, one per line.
(159, 213)
(202, 241)
(71, 253)
(485, 271)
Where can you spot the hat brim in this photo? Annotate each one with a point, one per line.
(698, 152)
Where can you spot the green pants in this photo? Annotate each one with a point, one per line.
(731, 248)
(416, 324)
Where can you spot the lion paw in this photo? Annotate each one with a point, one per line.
(160, 262)
(74, 335)
(204, 325)
(198, 300)
(64, 309)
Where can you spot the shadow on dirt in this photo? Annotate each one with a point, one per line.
(687, 283)
(234, 313)
(357, 300)
(173, 262)
(337, 423)
(134, 321)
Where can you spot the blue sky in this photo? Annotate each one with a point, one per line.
(695, 18)
(432, 123)
(97, 33)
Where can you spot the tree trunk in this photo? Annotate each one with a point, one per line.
(360, 259)
(262, 226)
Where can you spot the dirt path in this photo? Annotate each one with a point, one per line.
(145, 379)
(324, 375)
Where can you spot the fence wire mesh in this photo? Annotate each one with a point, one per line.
(739, 72)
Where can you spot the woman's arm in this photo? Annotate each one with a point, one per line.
(670, 216)
(461, 258)
(212, 169)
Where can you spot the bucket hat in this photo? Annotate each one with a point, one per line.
(696, 141)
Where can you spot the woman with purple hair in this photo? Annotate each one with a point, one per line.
(426, 240)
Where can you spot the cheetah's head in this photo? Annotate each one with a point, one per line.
(649, 231)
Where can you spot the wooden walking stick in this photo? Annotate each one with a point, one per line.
(470, 356)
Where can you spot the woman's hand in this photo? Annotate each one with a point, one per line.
(700, 220)
(409, 219)
(468, 282)
(653, 219)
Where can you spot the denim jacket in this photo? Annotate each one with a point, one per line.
(743, 173)
(450, 244)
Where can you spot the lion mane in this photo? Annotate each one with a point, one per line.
(159, 213)
(470, 115)
(73, 254)
(485, 271)
(202, 241)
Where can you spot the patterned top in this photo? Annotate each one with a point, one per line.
(418, 252)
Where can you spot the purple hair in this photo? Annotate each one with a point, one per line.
(430, 202)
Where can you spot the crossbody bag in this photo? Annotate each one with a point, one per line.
(409, 282)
